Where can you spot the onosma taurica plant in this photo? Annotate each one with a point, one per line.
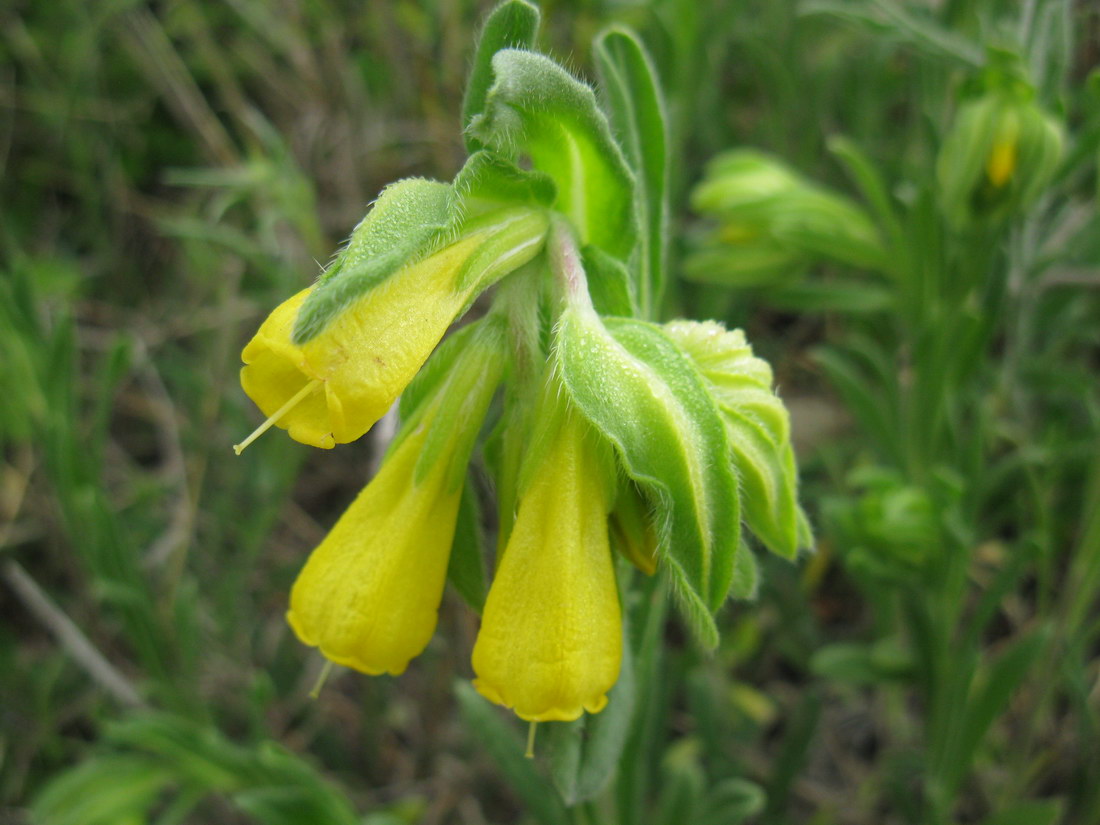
(611, 442)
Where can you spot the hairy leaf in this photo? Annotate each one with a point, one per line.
(636, 387)
(757, 426)
(637, 111)
(492, 178)
(511, 25)
(536, 106)
(403, 225)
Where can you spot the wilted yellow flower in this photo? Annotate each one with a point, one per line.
(550, 644)
(369, 595)
(340, 382)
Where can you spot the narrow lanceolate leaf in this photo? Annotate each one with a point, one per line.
(746, 575)
(102, 790)
(433, 375)
(1029, 812)
(757, 426)
(636, 387)
(511, 25)
(637, 112)
(537, 107)
(462, 399)
(466, 568)
(456, 386)
(405, 223)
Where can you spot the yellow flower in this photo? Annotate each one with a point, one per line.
(550, 644)
(334, 388)
(369, 595)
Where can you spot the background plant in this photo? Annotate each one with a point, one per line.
(171, 171)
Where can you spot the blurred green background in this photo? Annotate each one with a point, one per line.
(173, 170)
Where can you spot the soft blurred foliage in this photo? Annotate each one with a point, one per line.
(172, 170)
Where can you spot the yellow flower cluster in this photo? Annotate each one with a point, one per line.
(550, 644)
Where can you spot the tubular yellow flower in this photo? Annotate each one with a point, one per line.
(364, 358)
(369, 595)
(550, 644)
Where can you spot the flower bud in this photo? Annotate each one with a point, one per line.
(771, 223)
(758, 430)
(998, 157)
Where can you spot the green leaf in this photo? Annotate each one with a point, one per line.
(413, 218)
(462, 386)
(871, 185)
(757, 427)
(406, 213)
(731, 802)
(868, 399)
(287, 805)
(160, 752)
(511, 25)
(104, 790)
(800, 726)
(889, 20)
(761, 262)
(488, 176)
(746, 575)
(192, 749)
(988, 701)
(433, 375)
(512, 237)
(404, 224)
(643, 394)
(538, 107)
(505, 746)
(466, 568)
(637, 112)
(608, 283)
(564, 741)
(648, 608)
(682, 784)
